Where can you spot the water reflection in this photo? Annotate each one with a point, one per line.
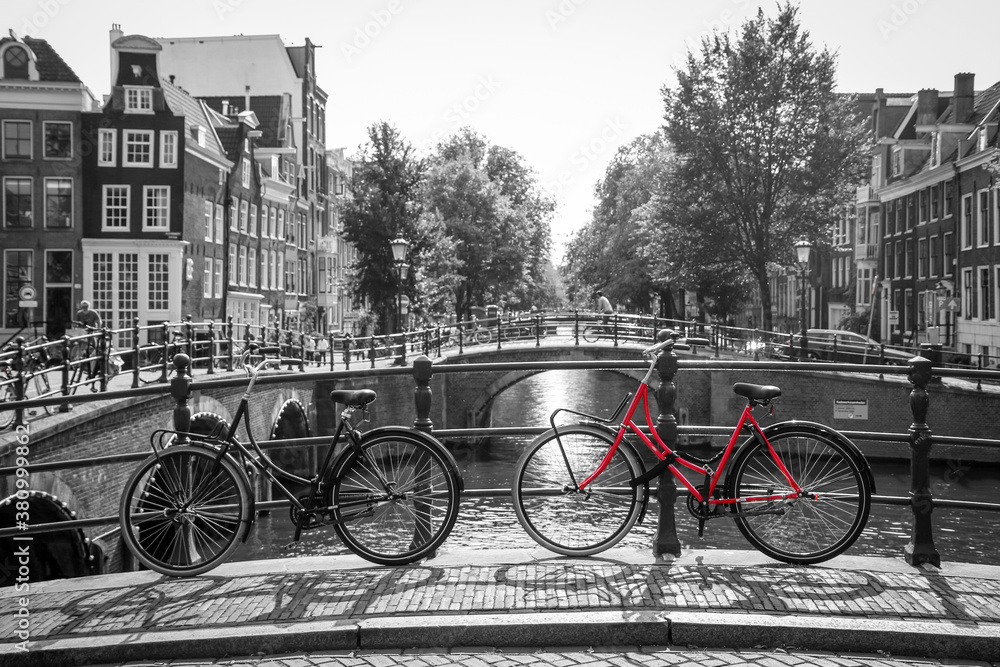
(490, 523)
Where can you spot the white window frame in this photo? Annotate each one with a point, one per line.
(31, 138)
(967, 221)
(148, 134)
(241, 272)
(107, 138)
(897, 161)
(252, 267)
(244, 212)
(218, 278)
(982, 225)
(45, 124)
(931, 256)
(968, 293)
(252, 223)
(209, 220)
(206, 287)
(138, 99)
(45, 201)
(168, 149)
(220, 222)
(162, 213)
(232, 264)
(245, 172)
(127, 207)
(984, 306)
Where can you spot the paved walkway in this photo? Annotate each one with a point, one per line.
(716, 600)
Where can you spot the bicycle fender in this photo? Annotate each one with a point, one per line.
(346, 456)
(612, 433)
(828, 432)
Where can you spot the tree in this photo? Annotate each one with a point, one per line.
(767, 152)
(384, 205)
(490, 205)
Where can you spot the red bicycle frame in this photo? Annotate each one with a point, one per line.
(662, 452)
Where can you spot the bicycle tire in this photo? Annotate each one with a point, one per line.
(399, 528)
(592, 333)
(570, 522)
(483, 336)
(182, 512)
(7, 417)
(806, 531)
(42, 389)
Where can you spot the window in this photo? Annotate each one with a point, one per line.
(209, 220)
(922, 197)
(138, 100)
(168, 149)
(159, 281)
(264, 268)
(897, 161)
(264, 212)
(935, 201)
(245, 172)
(909, 258)
(234, 215)
(899, 266)
(15, 63)
(218, 278)
(18, 272)
(922, 258)
(985, 292)
(58, 267)
(948, 254)
(243, 215)
(206, 281)
(911, 214)
(252, 267)
(888, 268)
(969, 306)
(138, 149)
(967, 228)
(241, 274)
(252, 224)
(58, 140)
(116, 205)
(279, 273)
(106, 148)
(890, 217)
(948, 190)
(17, 202)
(219, 222)
(58, 203)
(272, 225)
(983, 226)
(935, 256)
(16, 139)
(232, 263)
(281, 223)
(156, 207)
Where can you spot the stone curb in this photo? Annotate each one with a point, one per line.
(721, 630)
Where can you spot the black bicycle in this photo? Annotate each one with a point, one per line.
(391, 494)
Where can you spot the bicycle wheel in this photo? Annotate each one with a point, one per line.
(592, 333)
(7, 416)
(408, 515)
(40, 388)
(483, 336)
(803, 530)
(182, 512)
(563, 519)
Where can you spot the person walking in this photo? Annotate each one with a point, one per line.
(310, 349)
(322, 347)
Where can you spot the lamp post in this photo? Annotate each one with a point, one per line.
(802, 251)
(399, 249)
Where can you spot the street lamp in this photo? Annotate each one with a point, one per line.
(802, 251)
(399, 249)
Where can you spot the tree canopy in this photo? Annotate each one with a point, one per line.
(767, 152)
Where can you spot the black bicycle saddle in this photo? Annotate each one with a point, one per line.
(355, 398)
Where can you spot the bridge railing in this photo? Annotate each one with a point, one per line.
(918, 438)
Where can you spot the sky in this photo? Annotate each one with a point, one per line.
(565, 83)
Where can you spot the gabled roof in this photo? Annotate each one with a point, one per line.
(195, 115)
(982, 104)
(50, 65)
(270, 113)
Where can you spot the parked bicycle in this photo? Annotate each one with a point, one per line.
(33, 369)
(624, 332)
(799, 492)
(391, 494)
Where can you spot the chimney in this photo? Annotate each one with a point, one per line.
(927, 108)
(225, 107)
(246, 100)
(964, 95)
(171, 78)
(115, 34)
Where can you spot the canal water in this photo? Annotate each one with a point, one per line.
(490, 523)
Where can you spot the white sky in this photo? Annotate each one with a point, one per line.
(562, 82)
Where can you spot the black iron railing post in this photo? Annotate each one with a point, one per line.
(211, 347)
(64, 407)
(614, 329)
(921, 548)
(423, 371)
(165, 352)
(104, 352)
(229, 343)
(20, 381)
(499, 328)
(135, 353)
(180, 390)
(302, 352)
(371, 350)
(347, 352)
(665, 541)
(538, 330)
(189, 334)
(576, 327)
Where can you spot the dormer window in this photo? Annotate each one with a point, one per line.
(935, 149)
(138, 100)
(983, 133)
(15, 63)
(897, 161)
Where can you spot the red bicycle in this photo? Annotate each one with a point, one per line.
(799, 491)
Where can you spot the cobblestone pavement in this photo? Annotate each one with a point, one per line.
(648, 656)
